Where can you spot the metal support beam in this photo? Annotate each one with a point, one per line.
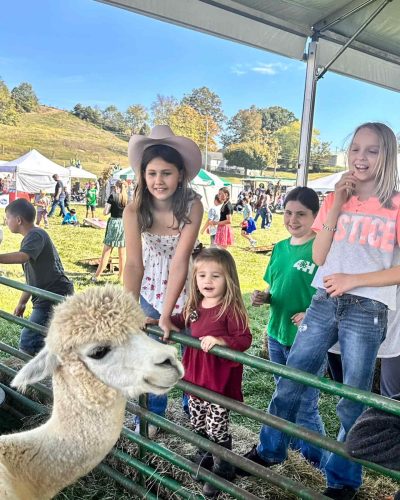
(307, 116)
(341, 14)
(360, 29)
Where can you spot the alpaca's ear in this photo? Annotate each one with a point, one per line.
(38, 368)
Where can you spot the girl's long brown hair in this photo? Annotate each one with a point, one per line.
(180, 200)
(232, 301)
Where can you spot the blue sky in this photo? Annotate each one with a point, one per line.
(84, 51)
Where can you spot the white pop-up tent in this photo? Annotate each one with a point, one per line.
(34, 172)
(80, 173)
(325, 184)
(126, 174)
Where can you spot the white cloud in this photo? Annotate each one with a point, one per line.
(269, 69)
(238, 69)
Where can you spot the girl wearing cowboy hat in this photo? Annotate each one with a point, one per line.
(161, 227)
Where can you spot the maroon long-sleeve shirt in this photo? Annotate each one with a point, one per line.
(207, 370)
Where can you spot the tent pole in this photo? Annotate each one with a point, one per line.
(308, 113)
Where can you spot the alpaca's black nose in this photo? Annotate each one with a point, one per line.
(166, 362)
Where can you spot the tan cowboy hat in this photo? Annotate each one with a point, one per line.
(162, 134)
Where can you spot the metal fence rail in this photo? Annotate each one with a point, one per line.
(145, 444)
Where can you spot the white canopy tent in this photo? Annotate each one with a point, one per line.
(325, 184)
(80, 173)
(356, 38)
(126, 174)
(34, 172)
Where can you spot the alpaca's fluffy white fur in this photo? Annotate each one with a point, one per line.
(89, 393)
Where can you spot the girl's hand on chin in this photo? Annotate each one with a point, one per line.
(345, 188)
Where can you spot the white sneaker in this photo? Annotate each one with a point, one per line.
(253, 243)
(153, 430)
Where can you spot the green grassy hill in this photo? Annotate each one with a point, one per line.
(61, 136)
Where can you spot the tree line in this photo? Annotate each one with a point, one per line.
(21, 99)
(254, 138)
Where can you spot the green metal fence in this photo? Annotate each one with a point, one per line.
(147, 446)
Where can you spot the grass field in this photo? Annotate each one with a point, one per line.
(77, 243)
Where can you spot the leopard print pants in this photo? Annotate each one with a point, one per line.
(210, 419)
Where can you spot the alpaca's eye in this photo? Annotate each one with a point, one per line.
(100, 352)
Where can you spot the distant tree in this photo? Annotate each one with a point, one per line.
(145, 130)
(25, 98)
(8, 110)
(253, 155)
(319, 155)
(206, 103)
(136, 118)
(244, 126)
(114, 120)
(289, 140)
(87, 113)
(188, 122)
(162, 109)
(275, 117)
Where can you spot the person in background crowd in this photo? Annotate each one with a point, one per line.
(213, 216)
(115, 235)
(70, 218)
(91, 199)
(224, 237)
(58, 201)
(42, 204)
(248, 225)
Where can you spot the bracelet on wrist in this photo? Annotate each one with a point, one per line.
(329, 228)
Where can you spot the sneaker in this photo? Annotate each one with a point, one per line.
(253, 243)
(345, 493)
(152, 431)
(253, 456)
(94, 279)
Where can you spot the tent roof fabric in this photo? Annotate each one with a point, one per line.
(34, 172)
(285, 26)
(126, 173)
(204, 178)
(80, 173)
(326, 183)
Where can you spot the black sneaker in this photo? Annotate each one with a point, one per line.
(254, 457)
(345, 493)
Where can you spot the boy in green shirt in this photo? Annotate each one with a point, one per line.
(91, 199)
(289, 275)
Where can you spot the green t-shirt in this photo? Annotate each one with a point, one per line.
(289, 275)
(91, 197)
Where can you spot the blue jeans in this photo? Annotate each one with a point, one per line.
(308, 415)
(360, 326)
(158, 403)
(264, 213)
(54, 205)
(31, 342)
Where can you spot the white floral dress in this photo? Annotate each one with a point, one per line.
(157, 254)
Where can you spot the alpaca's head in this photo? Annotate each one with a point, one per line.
(99, 332)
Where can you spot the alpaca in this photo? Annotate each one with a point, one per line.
(98, 357)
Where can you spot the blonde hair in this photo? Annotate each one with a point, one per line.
(387, 176)
(123, 194)
(232, 301)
